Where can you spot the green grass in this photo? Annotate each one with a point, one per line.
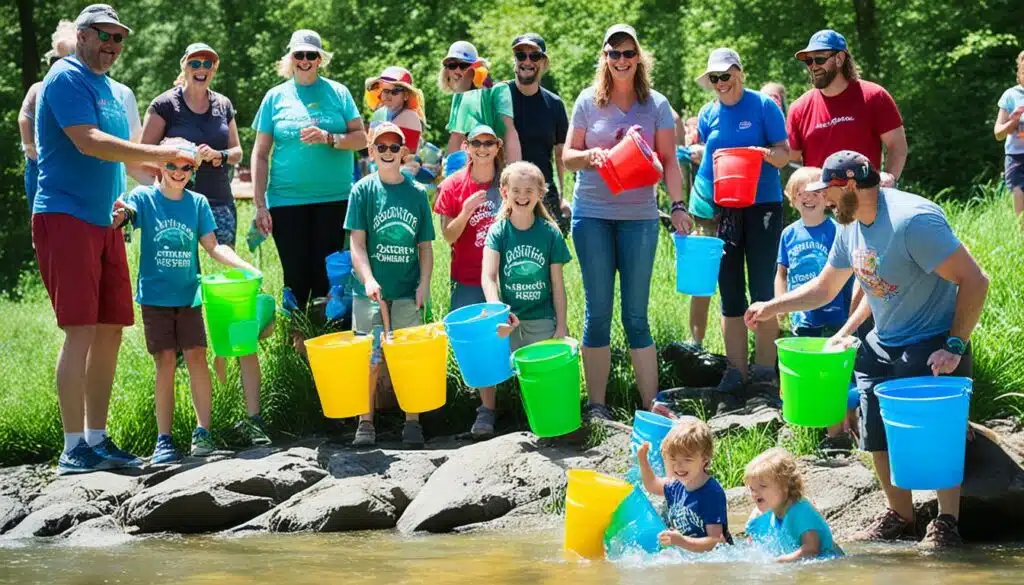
(30, 424)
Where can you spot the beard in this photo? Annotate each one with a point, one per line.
(526, 78)
(846, 210)
(823, 81)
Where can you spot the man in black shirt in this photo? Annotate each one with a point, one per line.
(540, 120)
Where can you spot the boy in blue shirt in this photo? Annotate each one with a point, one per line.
(173, 222)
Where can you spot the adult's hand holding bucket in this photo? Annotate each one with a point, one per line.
(549, 379)
(591, 499)
(814, 381)
(482, 355)
(737, 171)
(229, 299)
(630, 164)
(635, 525)
(341, 371)
(698, 259)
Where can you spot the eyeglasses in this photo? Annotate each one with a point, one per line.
(203, 64)
(174, 167)
(713, 78)
(393, 147)
(616, 55)
(105, 36)
(385, 91)
(453, 65)
(534, 56)
(482, 143)
(306, 55)
(818, 60)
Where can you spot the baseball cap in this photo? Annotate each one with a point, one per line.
(533, 39)
(99, 14)
(840, 167)
(481, 129)
(306, 40)
(462, 51)
(196, 48)
(386, 128)
(619, 28)
(823, 40)
(719, 61)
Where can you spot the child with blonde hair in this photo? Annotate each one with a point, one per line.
(698, 517)
(788, 524)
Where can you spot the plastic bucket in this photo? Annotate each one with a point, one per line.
(265, 308)
(549, 379)
(698, 259)
(455, 161)
(631, 164)
(926, 427)
(634, 526)
(737, 171)
(229, 299)
(339, 268)
(815, 384)
(483, 357)
(647, 428)
(341, 371)
(591, 499)
(417, 359)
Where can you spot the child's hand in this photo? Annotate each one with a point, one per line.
(422, 294)
(561, 332)
(642, 452)
(670, 538)
(506, 329)
(372, 288)
(474, 201)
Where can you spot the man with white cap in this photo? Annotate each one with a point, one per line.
(83, 134)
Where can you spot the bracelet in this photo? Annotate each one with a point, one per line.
(330, 140)
(678, 206)
(223, 157)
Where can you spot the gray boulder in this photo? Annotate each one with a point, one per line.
(98, 532)
(11, 513)
(753, 416)
(56, 519)
(100, 486)
(24, 482)
(190, 510)
(832, 485)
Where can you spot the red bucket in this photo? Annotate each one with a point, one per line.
(631, 164)
(736, 173)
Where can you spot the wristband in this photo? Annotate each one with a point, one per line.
(223, 157)
(678, 206)
(956, 345)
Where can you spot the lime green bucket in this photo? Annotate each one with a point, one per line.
(229, 299)
(265, 308)
(549, 379)
(814, 383)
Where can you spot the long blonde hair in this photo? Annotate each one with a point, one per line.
(522, 168)
(1020, 68)
(603, 77)
(286, 66)
(778, 465)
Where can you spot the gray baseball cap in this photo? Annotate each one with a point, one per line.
(719, 61)
(196, 48)
(619, 28)
(99, 14)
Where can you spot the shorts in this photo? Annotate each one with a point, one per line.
(877, 363)
(226, 216)
(531, 331)
(1013, 172)
(751, 237)
(464, 295)
(173, 328)
(366, 320)
(84, 269)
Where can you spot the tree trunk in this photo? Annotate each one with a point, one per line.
(867, 34)
(29, 49)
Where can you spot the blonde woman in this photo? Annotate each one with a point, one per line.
(1010, 127)
(619, 233)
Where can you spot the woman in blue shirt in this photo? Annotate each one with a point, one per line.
(1010, 127)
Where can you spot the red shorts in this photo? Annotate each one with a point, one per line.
(85, 270)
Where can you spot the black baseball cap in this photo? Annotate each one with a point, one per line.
(530, 39)
(840, 167)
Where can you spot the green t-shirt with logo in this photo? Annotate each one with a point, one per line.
(481, 106)
(525, 268)
(396, 218)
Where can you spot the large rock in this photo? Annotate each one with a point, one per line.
(24, 482)
(100, 486)
(833, 485)
(753, 416)
(11, 513)
(190, 510)
(56, 519)
(98, 532)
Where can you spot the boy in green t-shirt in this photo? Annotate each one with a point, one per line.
(391, 234)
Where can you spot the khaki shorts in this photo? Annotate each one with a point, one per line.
(705, 227)
(366, 320)
(532, 331)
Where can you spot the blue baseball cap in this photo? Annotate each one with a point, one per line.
(839, 168)
(823, 40)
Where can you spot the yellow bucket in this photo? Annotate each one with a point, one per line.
(591, 499)
(417, 359)
(341, 370)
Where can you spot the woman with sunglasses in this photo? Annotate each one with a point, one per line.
(740, 117)
(477, 100)
(619, 233)
(301, 191)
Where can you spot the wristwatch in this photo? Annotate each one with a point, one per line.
(223, 157)
(956, 346)
(330, 139)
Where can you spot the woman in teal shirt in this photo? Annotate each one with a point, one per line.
(301, 191)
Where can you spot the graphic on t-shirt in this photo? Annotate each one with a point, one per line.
(865, 265)
(686, 520)
(396, 228)
(524, 271)
(833, 122)
(175, 241)
(806, 261)
(481, 221)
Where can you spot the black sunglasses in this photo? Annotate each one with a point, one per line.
(534, 56)
(204, 64)
(399, 90)
(105, 36)
(453, 65)
(818, 60)
(174, 167)
(713, 78)
(306, 55)
(393, 147)
(482, 143)
(616, 55)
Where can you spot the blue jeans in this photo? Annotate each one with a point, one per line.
(31, 181)
(603, 247)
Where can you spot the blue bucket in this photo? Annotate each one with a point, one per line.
(634, 527)
(698, 259)
(483, 357)
(926, 427)
(339, 268)
(647, 428)
(455, 161)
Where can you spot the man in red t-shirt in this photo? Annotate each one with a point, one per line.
(843, 112)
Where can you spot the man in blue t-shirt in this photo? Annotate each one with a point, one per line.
(82, 134)
(926, 293)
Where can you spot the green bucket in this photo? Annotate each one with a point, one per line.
(814, 383)
(265, 307)
(549, 379)
(229, 299)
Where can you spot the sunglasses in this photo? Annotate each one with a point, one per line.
(392, 91)
(482, 143)
(204, 64)
(105, 36)
(715, 78)
(453, 65)
(535, 56)
(393, 147)
(306, 55)
(174, 167)
(616, 55)
(818, 60)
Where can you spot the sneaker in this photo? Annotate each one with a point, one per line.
(598, 412)
(483, 426)
(202, 443)
(412, 434)
(764, 375)
(841, 442)
(942, 533)
(253, 429)
(732, 381)
(887, 526)
(164, 452)
(81, 459)
(366, 435)
(117, 456)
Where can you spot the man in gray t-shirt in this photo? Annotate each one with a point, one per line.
(926, 293)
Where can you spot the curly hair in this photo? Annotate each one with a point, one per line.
(849, 68)
(603, 77)
(779, 466)
(1020, 68)
(689, 437)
